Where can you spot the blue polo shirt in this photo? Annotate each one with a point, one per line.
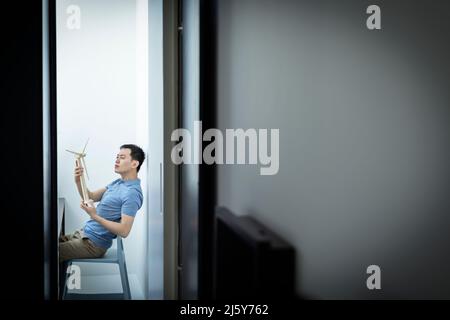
(120, 197)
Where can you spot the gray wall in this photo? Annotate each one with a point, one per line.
(364, 138)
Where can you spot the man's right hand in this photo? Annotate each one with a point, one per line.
(78, 172)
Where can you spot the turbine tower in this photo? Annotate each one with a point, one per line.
(79, 156)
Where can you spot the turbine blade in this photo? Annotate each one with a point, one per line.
(84, 149)
(77, 153)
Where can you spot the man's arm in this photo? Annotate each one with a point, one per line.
(121, 228)
(96, 195)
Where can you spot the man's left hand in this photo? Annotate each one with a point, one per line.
(89, 208)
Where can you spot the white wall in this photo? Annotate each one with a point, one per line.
(363, 118)
(102, 95)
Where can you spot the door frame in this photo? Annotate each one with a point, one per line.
(50, 186)
(170, 171)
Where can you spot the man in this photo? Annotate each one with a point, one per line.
(119, 202)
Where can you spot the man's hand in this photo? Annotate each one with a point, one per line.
(89, 208)
(78, 171)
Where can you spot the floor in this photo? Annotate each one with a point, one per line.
(109, 284)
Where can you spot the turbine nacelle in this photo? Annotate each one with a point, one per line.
(80, 156)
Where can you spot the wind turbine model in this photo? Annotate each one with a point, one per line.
(79, 156)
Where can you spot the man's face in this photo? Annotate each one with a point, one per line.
(124, 162)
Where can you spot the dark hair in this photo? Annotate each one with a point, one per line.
(136, 153)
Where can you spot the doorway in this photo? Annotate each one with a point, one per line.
(109, 91)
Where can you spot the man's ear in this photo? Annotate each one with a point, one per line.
(135, 164)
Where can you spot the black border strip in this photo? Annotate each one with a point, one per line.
(207, 188)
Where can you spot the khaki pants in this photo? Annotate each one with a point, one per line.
(76, 245)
